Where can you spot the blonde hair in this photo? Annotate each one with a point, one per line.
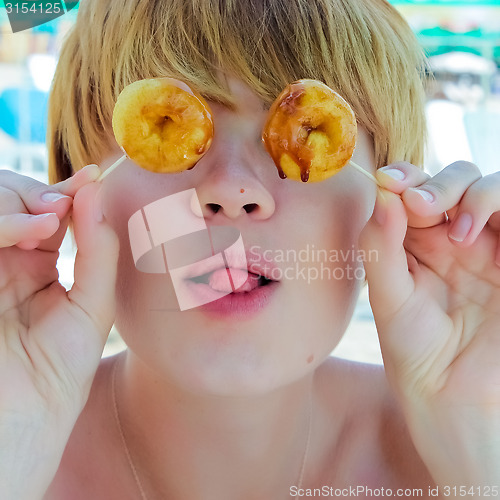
(363, 49)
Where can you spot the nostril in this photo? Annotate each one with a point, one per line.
(214, 207)
(250, 207)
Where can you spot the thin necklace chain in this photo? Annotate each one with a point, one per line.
(131, 462)
(122, 435)
(306, 448)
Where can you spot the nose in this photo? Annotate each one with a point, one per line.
(232, 188)
(232, 200)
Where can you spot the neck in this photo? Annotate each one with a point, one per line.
(202, 446)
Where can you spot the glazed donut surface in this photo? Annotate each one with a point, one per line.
(310, 132)
(162, 124)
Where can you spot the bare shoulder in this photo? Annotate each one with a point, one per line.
(370, 444)
(92, 458)
(353, 376)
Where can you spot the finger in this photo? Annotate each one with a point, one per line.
(17, 228)
(427, 202)
(70, 186)
(494, 221)
(479, 205)
(36, 234)
(399, 176)
(28, 244)
(10, 202)
(53, 243)
(96, 260)
(49, 242)
(497, 252)
(389, 281)
(37, 197)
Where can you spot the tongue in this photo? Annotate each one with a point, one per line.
(243, 281)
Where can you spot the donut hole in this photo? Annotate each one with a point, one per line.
(163, 126)
(303, 133)
(331, 136)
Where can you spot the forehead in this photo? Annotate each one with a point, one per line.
(244, 97)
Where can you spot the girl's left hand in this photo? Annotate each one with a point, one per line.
(434, 289)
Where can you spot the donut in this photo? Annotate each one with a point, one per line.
(310, 132)
(162, 124)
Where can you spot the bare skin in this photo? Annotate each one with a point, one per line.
(230, 442)
(218, 408)
(359, 438)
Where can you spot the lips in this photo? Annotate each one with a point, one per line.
(229, 280)
(245, 272)
(253, 262)
(238, 284)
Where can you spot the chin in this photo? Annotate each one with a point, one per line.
(245, 370)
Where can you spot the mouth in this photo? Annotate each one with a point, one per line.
(231, 285)
(217, 278)
(234, 274)
(244, 294)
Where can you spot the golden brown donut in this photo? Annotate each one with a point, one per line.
(162, 124)
(310, 132)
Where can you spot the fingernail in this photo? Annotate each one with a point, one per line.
(426, 195)
(461, 227)
(394, 173)
(52, 197)
(43, 216)
(379, 210)
(92, 171)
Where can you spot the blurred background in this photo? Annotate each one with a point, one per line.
(460, 37)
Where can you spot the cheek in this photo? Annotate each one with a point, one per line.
(352, 207)
(333, 223)
(334, 272)
(286, 341)
(124, 193)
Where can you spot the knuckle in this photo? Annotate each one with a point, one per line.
(492, 180)
(33, 188)
(455, 179)
(6, 174)
(21, 184)
(437, 186)
(485, 192)
(10, 202)
(466, 168)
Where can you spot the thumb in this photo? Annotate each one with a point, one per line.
(96, 260)
(389, 282)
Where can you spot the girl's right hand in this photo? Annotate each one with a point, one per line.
(51, 340)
